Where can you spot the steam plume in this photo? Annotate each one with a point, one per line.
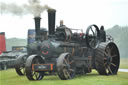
(33, 7)
(11, 8)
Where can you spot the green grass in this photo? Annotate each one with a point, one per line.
(9, 77)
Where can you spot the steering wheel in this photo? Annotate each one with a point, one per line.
(92, 36)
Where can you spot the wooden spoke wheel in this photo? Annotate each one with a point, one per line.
(107, 59)
(20, 65)
(66, 66)
(31, 74)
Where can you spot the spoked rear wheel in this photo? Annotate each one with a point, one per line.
(65, 66)
(107, 59)
(20, 65)
(31, 74)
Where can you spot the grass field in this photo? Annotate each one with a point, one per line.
(9, 77)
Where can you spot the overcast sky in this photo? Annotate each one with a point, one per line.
(75, 13)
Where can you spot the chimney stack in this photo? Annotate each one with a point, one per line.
(51, 21)
(37, 28)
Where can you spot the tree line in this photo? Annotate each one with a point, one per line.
(120, 35)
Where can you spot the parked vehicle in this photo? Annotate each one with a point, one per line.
(8, 58)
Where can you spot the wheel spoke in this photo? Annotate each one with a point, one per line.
(111, 48)
(113, 64)
(108, 51)
(92, 31)
(33, 73)
(109, 69)
(23, 70)
(106, 69)
(71, 70)
(113, 56)
(71, 62)
(69, 76)
(66, 62)
(106, 54)
(66, 73)
(36, 75)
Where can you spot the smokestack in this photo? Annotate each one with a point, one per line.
(51, 21)
(37, 27)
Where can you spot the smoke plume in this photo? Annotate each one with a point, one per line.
(32, 7)
(11, 8)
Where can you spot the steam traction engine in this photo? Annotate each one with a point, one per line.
(69, 53)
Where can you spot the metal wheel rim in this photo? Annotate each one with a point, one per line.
(66, 66)
(33, 75)
(68, 70)
(111, 60)
(20, 66)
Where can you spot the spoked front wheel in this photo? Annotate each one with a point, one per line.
(65, 66)
(30, 73)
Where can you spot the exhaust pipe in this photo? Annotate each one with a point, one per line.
(37, 28)
(51, 21)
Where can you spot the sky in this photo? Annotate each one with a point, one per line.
(78, 14)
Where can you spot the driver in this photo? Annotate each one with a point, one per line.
(102, 34)
(62, 24)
